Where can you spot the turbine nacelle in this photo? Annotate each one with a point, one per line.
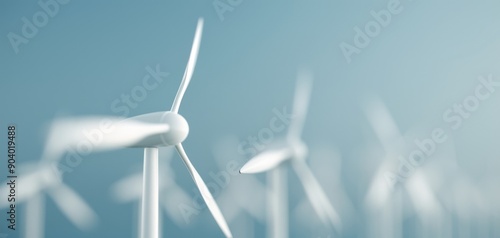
(167, 129)
(179, 128)
(49, 177)
(298, 150)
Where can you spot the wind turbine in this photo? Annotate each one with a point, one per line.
(129, 189)
(292, 150)
(38, 181)
(384, 200)
(149, 131)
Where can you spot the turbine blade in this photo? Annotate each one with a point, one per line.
(74, 207)
(97, 132)
(174, 195)
(266, 160)
(423, 198)
(316, 195)
(205, 193)
(380, 191)
(128, 189)
(383, 124)
(300, 103)
(188, 73)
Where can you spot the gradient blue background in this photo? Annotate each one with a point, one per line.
(91, 52)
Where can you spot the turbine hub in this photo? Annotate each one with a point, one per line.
(300, 150)
(178, 128)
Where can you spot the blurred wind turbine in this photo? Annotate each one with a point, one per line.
(461, 195)
(384, 200)
(38, 181)
(294, 150)
(129, 189)
(149, 131)
(240, 208)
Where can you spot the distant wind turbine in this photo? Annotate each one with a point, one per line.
(35, 184)
(295, 151)
(384, 199)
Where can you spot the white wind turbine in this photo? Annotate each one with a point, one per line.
(240, 209)
(129, 189)
(35, 184)
(149, 131)
(292, 150)
(384, 200)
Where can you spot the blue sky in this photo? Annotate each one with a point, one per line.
(89, 53)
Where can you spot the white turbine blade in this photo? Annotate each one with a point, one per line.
(74, 207)
(96, 134)
(174, 195)
(67, 132)
(316, 195)
(383, 124)
(300, 103)
(380, 190)
(266, 160)
(188, 73)
(423, 198)
(128, 189)
(386, 130)
(205, 193)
